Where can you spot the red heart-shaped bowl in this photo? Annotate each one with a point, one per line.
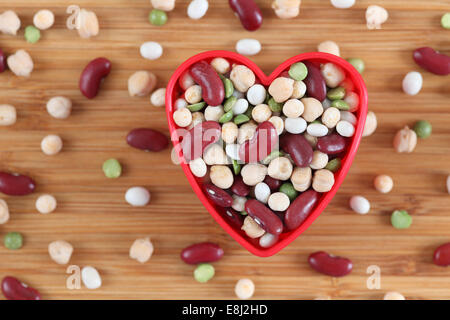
(173, 91)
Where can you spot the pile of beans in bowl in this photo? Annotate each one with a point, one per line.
(265, 155)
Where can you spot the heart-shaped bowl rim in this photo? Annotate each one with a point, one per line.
(173, 92)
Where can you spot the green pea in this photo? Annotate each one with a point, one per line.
(13, 240)
(196, 106)
(274, 154)
(357, 63)
(333, 165)
(288, 189)
(112, 168)
(274, 106)
(157, 17)
(226, 117)
(229, 88)
(32, 34)
(204, 272)
(422, 129)
(400, 219)
(240, 119)
(298, 71)
(445, 21)
(336, 93)
(236, 167)
(244, 213)
(229, 103)
(340, 104)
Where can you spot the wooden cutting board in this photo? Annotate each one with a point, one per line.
(94, 217)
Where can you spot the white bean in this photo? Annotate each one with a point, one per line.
(43, 19)
(370, 125)
(317, 130)
(412, 83)
(279, 201)
(141, 250)
(256, 94)
(151, 50)
(91, 278)
(197, 9)
(158, 98)
(180, 103)
(213, 113)
(348, 116)
(198, 167)
(137, 196)
(4, 212)
(182, 117)
(329, 47)
(51, 144)
(295, 126)
(345, 128)
(221, 176)
(46, 203)
(59, 107)
(9, 22)
(448, 184)
(268, 240)
(8, 115)
(244, 289)
(20, 63)
(326, 103)
(332, 74)
(248, 47)
(376, 16)
(232, 150)
(342, 4)
(60, 251)
(238, 203)
(240, 106)
(253, 173)
(359, 204)
(186, 81)
(352, 100)
(262, 192)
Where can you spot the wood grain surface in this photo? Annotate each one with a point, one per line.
(94, 217)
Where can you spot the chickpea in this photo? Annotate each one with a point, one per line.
(323, 180)
(214, 154)
(198, 167)
(331, 117)
(193, 94)
(301, 178)
(221, 176)
(230, 132)
(59, 107)
(238, 203)
(278, 123)
(253, 173)
(182, 117)
(370, 125)
(383, 183)
(221, 65)
(51, 144)
(286, 9)
(60, 251)
(141, 250)
(164, 5)
(261, 113)
(329, 47)
(393, 295)
(9, 22)
(376, 16)
(319, 161)
(20, 63)
(279, 201)
(197, 117)
(313, 109)
(281, 89)
(8, 115)
(299, 90)
(246, 132)
(43, 19)
(213, 113)
(4, 212)
(251, 228)
(242, 77)
(405, 140)
(332, 74)
(293, 108)
(141, 83)
(87, 24)
(280, 168)
(46, 204)
(158, 97)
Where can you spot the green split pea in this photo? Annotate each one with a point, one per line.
(32, 34)
(204, 272)
(13, 240)
(157, 17)
(298, 71)
(112, 168)
(400, 219)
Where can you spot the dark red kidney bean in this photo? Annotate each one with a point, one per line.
(13, 289)
(234, 218)
(92, 76)
(330, 265)
(198, 138)
(298, 148)
(274, 184)
(202, 252)
(332, 144)
(261, 145)
(213, 91)
(315, 83)
(147, 139)
(248, 12)
(300, 209)
(263, 216)
(441, 255)
(433, 61)
(239, 188)
(16, 184)
(218, 196)
(2, 61)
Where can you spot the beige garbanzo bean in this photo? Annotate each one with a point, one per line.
(197, 117)
(20, 63)
(60, 251)
(221, 65)
(405, 140)
(323, 180)
(313, 109)
(278, 123)
(251, 228)
(299, 90)
(8, 115)
(278, 201)
(51, 144)
(59, 107)
(281, 89)
(165, 5)
(221, 176)
(393, 295)
(383, 183)
(213, 113)
(329, 47)
(193, 94)
(331, 117)
(242, 77)
(46, 203)
(198, 167)
(4, 212)
(141, 83)
(301, 178)
(370, 125)
(230, 132)
(319, 161)
(332, 74)
(280, 168)
(246, 132)
(9, 22)
(293, 108)
(261, 113)
(141, 250)
(182, 117)
(87, 24)
(214, 154)
(286, 9)
(253, 173)
(43, 19)
(158, 97)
